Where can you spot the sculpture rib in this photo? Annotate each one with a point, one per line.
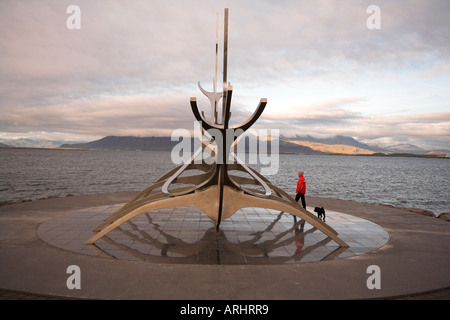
(235, 200)
(196, 197)
(162, 203)
(139, 199)
(201, 199)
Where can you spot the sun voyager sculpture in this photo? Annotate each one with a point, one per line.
(217, 186)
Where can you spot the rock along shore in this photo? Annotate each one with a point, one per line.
(444, 216)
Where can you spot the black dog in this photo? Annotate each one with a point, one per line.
(320, 213)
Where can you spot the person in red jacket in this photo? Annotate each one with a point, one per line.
(301, 189)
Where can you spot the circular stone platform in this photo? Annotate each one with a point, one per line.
(35, 256)
(185, 235)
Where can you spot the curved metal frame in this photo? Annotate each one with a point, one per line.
(216, 192)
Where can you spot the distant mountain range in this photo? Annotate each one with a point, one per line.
(33, 143)
(299, 145)
(166, 144)
(348, 145)
(127, 143)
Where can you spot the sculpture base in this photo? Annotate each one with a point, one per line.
(185, 235)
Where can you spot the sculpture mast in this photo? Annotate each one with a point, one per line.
(214, 115)
(225, 118)
(215, 96)
(225, 56)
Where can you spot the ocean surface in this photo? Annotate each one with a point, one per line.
(400, 181)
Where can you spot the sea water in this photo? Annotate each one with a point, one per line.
(401, 181)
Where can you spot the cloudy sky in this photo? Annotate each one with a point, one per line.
(133, 65)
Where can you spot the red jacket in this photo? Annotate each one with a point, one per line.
(301, 185)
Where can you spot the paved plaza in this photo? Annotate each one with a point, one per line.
(257, 254)
(184, 235)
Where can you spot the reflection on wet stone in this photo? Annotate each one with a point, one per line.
(251, 236)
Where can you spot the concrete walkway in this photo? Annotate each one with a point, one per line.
(414, 263)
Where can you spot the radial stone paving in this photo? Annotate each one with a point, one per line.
(186, 235)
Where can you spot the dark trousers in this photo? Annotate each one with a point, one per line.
(301, 195)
